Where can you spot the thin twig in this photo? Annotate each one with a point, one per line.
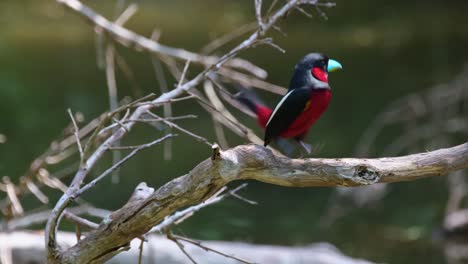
(269, 42)
(247, 80)
(180, 216)
(183, 130)
(113, 101)
(159, 73)
(131, 147)
(140, 255)
(77, 232)
(271, 7)
(77, 137)
(234, 125)
(110, 77)
(41, 217)
(147, 120)
(127, 14)
(106, 117)
(219, 42)
(80, 221)
(131, 39)
(168, 101)
(35, 190)
(170, 236)
(184, 72)
(200, 245)
(118, 164)
(16, 207)
(211, 94)
(112, 83)
(307, 14)
(258, 15)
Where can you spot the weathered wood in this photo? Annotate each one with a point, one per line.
(258, 163)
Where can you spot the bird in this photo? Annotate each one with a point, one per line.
(307, 98)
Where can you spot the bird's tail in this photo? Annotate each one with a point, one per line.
(249, 99)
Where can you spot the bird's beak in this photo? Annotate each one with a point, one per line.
(333, 65)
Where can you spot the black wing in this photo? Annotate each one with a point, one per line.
(286, 111)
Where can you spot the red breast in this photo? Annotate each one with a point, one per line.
(316, 105)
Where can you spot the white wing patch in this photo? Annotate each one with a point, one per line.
(278, 106)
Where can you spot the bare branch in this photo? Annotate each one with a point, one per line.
(168, 101)
(199, 244)
(258, 163)
(253, 82)
(140, 255)
(131, 39)
(77, 137)
(180, 216)
(184, 72)
(269, 42)
(183, 130)
(80, 221)
(118, 164)
(127, 14)
(110, 77)
(163, 86)
(41, 217)
(217, 43)
(218, 104)
(272, 5)
(170, 236)
(111, 80)
(307, 14)
(146, 120)
(258, 15)
(35, 190)
(113, 100)
(17, 209)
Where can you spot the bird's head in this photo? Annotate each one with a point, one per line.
(312, 71)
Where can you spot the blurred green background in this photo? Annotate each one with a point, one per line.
(388, 49)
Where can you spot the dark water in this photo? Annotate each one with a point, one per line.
(388, 49)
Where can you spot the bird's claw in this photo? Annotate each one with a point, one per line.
(306, 147)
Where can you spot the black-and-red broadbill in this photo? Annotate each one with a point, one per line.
(307, 98)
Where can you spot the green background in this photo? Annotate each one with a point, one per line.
(388, 49)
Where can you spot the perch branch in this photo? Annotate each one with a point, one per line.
(256, 163)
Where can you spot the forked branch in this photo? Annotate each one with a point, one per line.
(257, 163)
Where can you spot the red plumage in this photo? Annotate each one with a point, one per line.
(316, 105)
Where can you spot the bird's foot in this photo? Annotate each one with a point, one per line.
(305, 146)
(285, 146)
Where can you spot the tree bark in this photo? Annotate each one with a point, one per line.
(252, 162)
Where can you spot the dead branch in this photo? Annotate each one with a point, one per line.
(32, 219)
(181, 216)
(80, 221)
(131, 39)
(200, 245)
(258, 163)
